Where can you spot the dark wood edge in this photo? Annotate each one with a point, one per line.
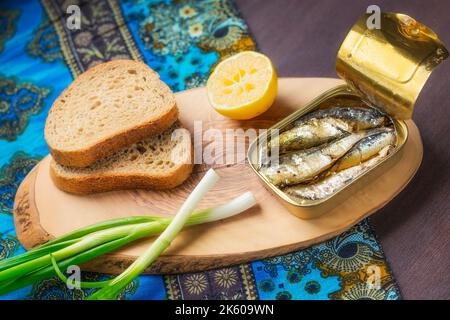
(26, 218)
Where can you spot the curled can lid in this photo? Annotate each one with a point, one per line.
(388, 66)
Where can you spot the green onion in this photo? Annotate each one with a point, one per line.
(80, 284)
(113, 288)
(92, 241)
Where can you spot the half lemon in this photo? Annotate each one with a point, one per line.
(243, 86)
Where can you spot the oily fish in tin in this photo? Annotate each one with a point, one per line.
(327, 148)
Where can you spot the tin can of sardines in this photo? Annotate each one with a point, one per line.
(350, 134)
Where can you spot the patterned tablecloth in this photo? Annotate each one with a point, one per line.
(182, 40)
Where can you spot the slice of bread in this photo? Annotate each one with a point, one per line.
(160, 162)
(105, 109)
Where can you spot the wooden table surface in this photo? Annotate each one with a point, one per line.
(302, 38)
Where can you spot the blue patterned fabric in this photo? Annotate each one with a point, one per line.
(182, 40)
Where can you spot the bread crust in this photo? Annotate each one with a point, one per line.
(94, 183)
(86, 156)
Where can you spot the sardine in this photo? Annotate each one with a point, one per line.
(366, 148)
(300, 166)
(358, 117)
(335, 182)
(311, 133)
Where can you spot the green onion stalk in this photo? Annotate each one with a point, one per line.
(90, 242)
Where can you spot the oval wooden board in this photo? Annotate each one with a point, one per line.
(42, 211)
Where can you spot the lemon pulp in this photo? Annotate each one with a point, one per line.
(243, 86)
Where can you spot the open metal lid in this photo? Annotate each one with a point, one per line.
(389, 66)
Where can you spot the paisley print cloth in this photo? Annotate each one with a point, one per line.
(182, 40)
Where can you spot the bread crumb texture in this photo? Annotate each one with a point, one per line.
(159, 154)
(106, 100)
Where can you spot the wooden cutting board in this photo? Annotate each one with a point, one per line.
(42, 211)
